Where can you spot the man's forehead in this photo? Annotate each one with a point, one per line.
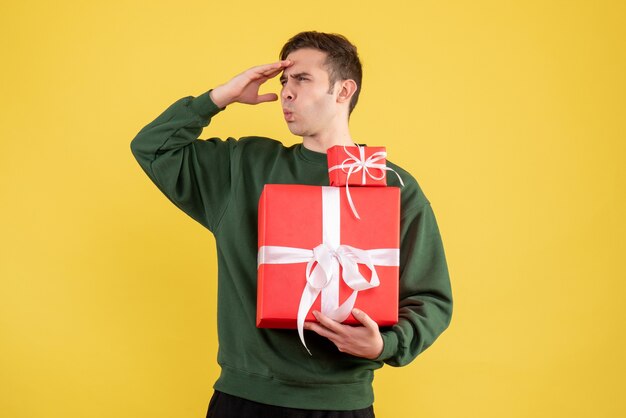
(306, 60)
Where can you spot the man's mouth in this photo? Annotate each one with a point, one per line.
(288, 115)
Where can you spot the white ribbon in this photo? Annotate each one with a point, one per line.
(323, 261)
(355, 164)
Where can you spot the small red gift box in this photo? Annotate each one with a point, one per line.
(314, 255)
(357, 166)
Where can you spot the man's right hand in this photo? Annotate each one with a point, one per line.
(244, 88)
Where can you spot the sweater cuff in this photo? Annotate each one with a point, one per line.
(390, 345)
(204, 106)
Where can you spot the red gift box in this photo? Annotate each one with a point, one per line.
(315, 255)
(357, 166)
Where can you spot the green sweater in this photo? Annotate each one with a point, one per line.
(218, 183)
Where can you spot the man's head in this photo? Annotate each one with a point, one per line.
(342, 61)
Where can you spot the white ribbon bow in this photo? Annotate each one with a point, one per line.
(355, 164)
(323, 262)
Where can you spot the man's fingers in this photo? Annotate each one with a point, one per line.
(262, 74)
(277, 69)
(269, 97)
(364, 318)
(273, 72)
(331, 324)
(273, 68)
(319, 329)
(362, 341)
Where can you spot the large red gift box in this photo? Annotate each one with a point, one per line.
(357, 166)
(311, 229)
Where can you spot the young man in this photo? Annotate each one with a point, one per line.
(267, 372)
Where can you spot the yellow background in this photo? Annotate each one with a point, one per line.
(511, 115)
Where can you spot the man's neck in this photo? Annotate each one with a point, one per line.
(321, 142)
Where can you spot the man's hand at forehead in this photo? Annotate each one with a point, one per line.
(244, 88)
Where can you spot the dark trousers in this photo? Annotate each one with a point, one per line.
(223, 405)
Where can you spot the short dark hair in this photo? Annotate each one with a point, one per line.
(342, 60)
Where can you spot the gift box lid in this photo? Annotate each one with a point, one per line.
(357, 165)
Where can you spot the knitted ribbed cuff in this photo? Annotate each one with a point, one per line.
(390, 345)
(204, 106)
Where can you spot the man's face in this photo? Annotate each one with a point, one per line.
(307, 106)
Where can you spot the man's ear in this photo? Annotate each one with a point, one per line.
(347, 88)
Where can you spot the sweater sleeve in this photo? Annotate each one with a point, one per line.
(194, 174)
(425, 307)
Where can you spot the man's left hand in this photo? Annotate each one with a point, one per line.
(361, 341)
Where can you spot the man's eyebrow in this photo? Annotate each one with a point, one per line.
(283, 77)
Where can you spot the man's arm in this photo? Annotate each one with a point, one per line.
(425, 308)
(195, 174)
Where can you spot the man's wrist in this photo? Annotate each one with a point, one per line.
(219, 97)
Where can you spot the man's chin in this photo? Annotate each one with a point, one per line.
(294, 129)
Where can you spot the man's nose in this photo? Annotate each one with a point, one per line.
(287, 94)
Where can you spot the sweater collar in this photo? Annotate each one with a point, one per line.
(315, 157)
